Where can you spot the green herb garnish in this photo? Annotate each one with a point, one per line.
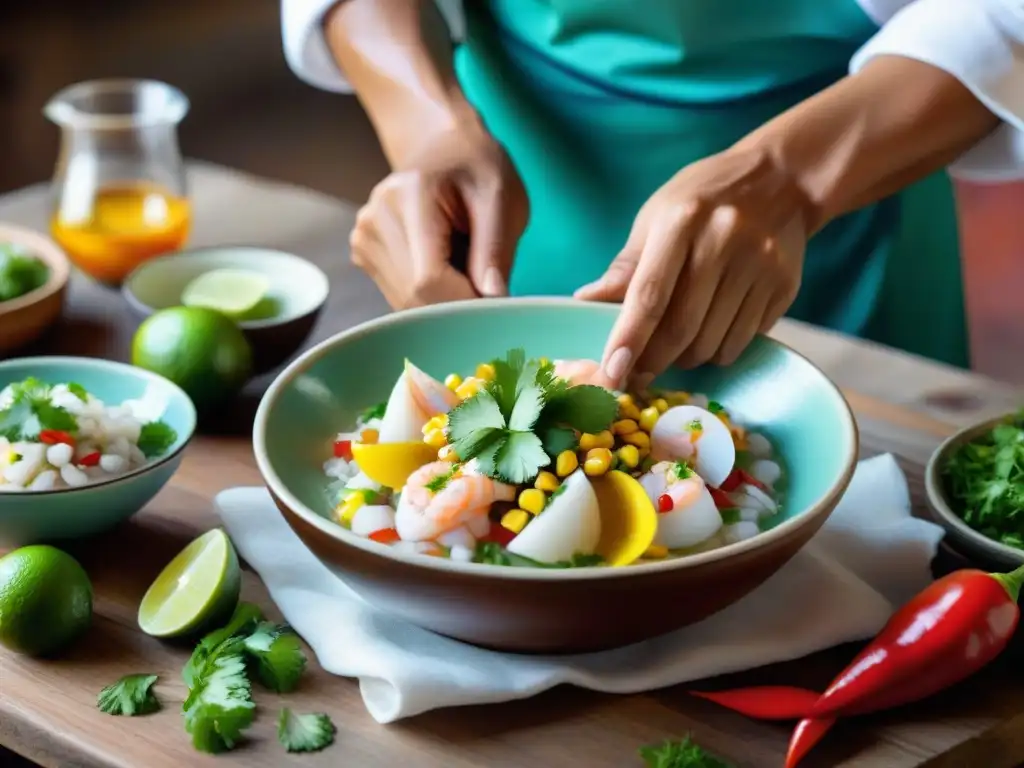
(695, 426)
(19, 273)
(304, 733)
(524, 418)
(130, 696)
(716, 407)
(680, 754)
(155, 438)
(682, 470)
(985, 482)
(219, 705)
(78, 391)
(730, 516)
(277, 656)
(29, 411)
(437, 484)
(374, 412)
(554, 495)
(492, 553)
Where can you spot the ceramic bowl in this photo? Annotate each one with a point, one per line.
(26, 318)
(31, 517)
(961, 536)
(771, 388)
(299, 288)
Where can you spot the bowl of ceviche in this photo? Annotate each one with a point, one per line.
(84, 444)
(456, 467)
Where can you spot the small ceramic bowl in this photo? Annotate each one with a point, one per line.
(961, 536)
(38, 516)
(299, 288)
(771, 388)
(26, 318)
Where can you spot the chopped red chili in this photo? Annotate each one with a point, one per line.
(499, 534)
(665, 503)
(55, 436)
(721, 498)
(90, 459)
(343, 449)
(385, 535)
(738, 477)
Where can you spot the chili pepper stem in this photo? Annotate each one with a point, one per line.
(1012, 582)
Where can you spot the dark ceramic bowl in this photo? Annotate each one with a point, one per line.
(961, 536)
(771, 388)
(299, 289)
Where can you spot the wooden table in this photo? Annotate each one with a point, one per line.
(47, 713)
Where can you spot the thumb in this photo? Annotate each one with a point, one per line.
(612, 285)
(494, 234)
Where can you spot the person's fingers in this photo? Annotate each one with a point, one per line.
(428, 234)
(746, 325)
(723, 310)
(494, 233)
(612, 285)
(647, 295)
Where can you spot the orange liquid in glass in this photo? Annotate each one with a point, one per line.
(126, 226)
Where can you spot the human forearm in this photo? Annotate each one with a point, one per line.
(871, 134)
(398, 57)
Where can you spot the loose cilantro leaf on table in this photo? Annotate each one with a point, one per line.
(680, 754)
(304, 733)
(219, 706)
(985, 482)
(28, 411)
(131, 695)
(155, 438)
(243, 623)
(277, 656)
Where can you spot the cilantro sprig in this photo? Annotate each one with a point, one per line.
(680, 754)
(985, 481)
(304, 733)
(28, 410)
(524, 417)
(130, 696)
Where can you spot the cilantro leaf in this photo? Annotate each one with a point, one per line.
(20, 273)
(243, 623)
(507, 374)
(527, 409)
(679, 754)
(278, 656)
(219, 706)
(520, 457)
(29, 411)
(131, 695)
(557, 439)
(78, 391)
(585, 408)
(156, 437)
(374, 412)
(304, 733)
(474, 424)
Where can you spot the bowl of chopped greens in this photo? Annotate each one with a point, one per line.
(33, 277)
(84, 444)
(975, 484)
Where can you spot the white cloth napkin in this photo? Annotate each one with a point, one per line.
(869, 558)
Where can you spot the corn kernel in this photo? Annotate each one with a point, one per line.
(485, 371)
(447, 453)
(648, 418)
(452, 381)
(627, 408)
(639, 439)
(435, 438)
(515, 520)
(566, 463)
(605, 439)
(432, 424)
(678, 398)
(369, 436)
(629, 455)
(660, 404)
(532, 501)
(588, 441)
(468, 388)
(546, 482)
(644, 453)
(624, 427)
(599, 461)
(656, 552)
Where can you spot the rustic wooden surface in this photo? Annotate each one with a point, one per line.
(47, 711)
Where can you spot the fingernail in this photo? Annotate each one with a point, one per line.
(494, 284)
(617, 365)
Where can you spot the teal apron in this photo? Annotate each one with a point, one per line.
(600, 102)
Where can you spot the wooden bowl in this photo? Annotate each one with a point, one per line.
(962, 537)
(771, 389)
(26, 318)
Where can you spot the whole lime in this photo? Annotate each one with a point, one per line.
(45, 600)
(201, 350)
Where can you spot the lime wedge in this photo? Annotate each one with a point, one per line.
(231, 291)
(197, 589)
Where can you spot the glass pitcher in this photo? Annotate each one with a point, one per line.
(119, 191)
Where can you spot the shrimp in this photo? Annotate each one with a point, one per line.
(693, 517)
(424, 514)
(577, 371)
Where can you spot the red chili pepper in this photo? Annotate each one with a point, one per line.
(499, 534)
(807, 733)
(343, 449)
(90, 459)
(55, 436)
(385, 535)
(738, 477)
(952, 629)
(766, 702)
(665, 503)
(721, 498)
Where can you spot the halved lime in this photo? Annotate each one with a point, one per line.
(196, 590)
(231, 291)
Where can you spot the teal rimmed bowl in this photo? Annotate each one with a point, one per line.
(29, 517)
(770, 388)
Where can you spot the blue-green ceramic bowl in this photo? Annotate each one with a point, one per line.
(771, 389)
(31, 517)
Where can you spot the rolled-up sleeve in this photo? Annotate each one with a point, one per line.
(979, 42)
(306, 50)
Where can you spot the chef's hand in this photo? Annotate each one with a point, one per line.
(459, 182)
(714, 257)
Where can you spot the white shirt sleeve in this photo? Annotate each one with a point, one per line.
(981, 43)
(305, 48)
